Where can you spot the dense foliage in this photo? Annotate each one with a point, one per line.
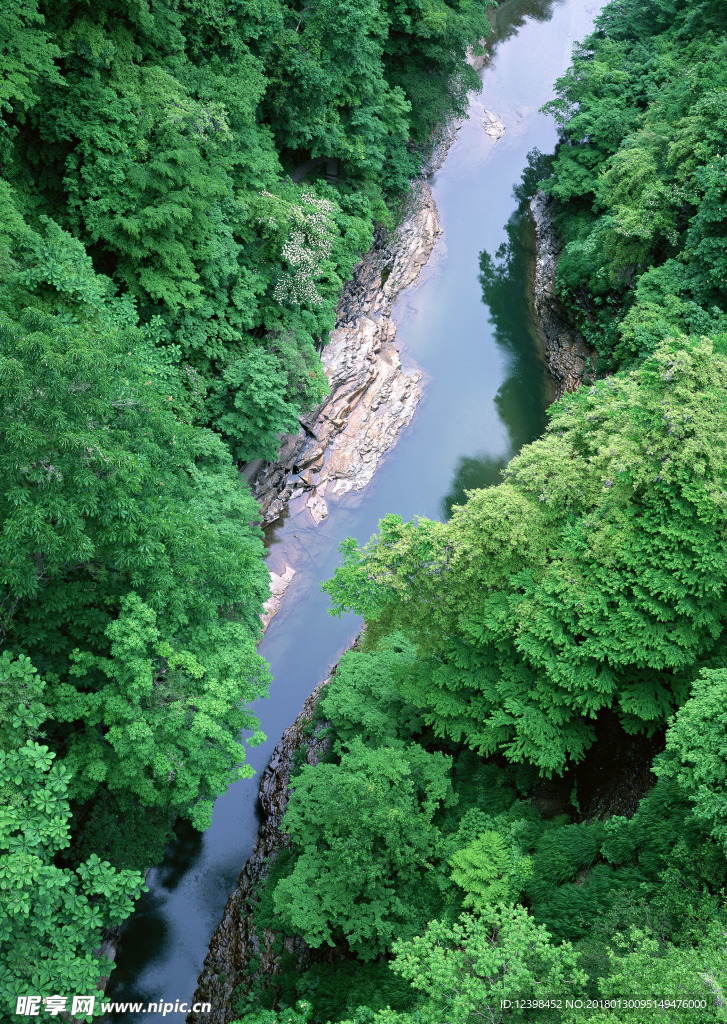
(158, 135)
(366, 832)
(624, 907)
(640, 178)
(167, 285)
(540, 602)
(50, 916)
(577, 604)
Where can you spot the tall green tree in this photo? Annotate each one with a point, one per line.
(366, 843)
(52, 917)
(425, 55)
(131, 563)
(592, 578)
(469, 970)
(363, 699)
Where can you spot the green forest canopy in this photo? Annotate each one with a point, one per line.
(166, 289)
(157, 324)
(580, 601)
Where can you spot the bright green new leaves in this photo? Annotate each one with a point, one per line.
(643, 969)
(51, 918)
(466, 969)
(592, 577)
(131, 568)
(366, 842)
(490, 869)
(696, 752)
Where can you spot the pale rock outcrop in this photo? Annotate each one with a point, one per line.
(279, 583)
(318, 507)
(493, 126)
(372, 397)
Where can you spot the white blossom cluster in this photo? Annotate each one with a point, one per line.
(307, 246)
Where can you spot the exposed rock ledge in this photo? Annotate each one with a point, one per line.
(493, 125)
(279, 583)
(566, 351)
(337, 450)
(235, 942)
(371, 397)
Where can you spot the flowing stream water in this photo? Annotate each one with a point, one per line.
(486, 389)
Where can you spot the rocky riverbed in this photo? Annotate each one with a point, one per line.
(567, 354)
(372, 397)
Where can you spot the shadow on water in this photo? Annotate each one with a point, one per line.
(148, 929)
(472, 472)
(146, 932)
(181, 854)
(505, 278)
(510, 16)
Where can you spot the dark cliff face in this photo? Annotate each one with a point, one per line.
(236, 941)
(567, 354)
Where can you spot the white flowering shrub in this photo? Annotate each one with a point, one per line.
(307, 246)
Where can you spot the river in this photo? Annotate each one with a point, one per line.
(485, 393)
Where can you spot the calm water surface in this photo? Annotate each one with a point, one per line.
(468, 326)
